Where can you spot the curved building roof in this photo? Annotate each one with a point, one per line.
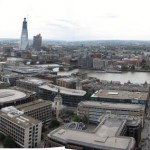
(9, 95)
(63, 90)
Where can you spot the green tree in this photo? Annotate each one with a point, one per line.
(54, 123)
(132, 67)
(124, 68)
(2, 137)
(85, 119)
(143, 62)
(76, 118)
(9, 142)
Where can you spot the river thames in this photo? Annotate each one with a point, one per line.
(134, 77)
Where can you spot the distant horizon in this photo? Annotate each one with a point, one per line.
(77, 40)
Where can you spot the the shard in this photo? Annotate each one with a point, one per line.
(24, 36)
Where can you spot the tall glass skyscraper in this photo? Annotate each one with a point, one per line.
(24, 36)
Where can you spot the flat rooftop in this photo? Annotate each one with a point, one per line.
(63, 90)
(67, 79)
(17, 117)
(9, 95)
(122, 106)
(104, 136)
(34, 81)
(33, 105)
(114, 94)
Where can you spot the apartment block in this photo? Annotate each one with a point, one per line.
(38, 109)
(25, 130)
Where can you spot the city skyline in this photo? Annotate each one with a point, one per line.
(77, 19)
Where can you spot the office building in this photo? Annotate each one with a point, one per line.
(31, 83)
(24, 36)
(37, 42)
(68, 82)
(117, 96)
(25, 130)
(108, 135)
(93, 110)
(100, 63)
(11, 78)
(38, 109)
(70, 97)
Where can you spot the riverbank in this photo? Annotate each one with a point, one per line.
(124, 77)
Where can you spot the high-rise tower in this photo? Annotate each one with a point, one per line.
(24, 36)
(37, 42)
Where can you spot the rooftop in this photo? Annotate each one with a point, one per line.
(9, 95)
(121, 106)
(33, 105)
(63, 90)
(105, 135)
(120, 94)
(68, 79)
(34, 81)
(18, 117)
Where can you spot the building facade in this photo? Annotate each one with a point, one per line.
(25, 130)
(24, 36)
(38, 109)
(70, 97)
(37, 42)
(117, 96)
(108, 135)
(100, 64)
(93, 110)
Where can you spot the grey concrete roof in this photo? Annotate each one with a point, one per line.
(105, 135)
(115, 94)
(9, 95)
(63, 90)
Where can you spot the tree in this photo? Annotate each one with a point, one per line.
(76, 118)
(85, 119)
(2, 137)
(132, 67)
(124, 68)
(9, 142)
(54, 124)
(143, 62)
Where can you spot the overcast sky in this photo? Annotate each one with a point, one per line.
(77, 19)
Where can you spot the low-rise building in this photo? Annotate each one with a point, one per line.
(31, 83)
(93, 110)
(68, 82)
(108, 135)
(13, 97)
(116, 96)
(70, 97)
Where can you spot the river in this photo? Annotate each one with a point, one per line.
(134, 77)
